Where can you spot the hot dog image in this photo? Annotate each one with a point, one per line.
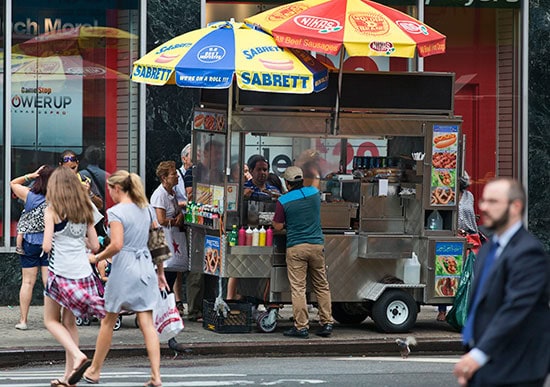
(198, 121)
(445, 140)
(277, 64)
(166, 58)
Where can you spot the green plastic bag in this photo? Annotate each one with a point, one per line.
(456, 317)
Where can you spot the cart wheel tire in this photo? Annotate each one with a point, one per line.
(349, 312)
(86, 321)
(78, 321)
(136, 322)
(263, 323)
(395, 312)
(118, 323)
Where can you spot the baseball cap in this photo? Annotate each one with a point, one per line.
(293, 174)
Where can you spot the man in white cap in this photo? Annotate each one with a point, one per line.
(300, 211)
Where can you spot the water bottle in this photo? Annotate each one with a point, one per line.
(233, 236)
(269, 237)
(248, 236)
(255, 237)
(411, 270)
(262, 237)
(435, 221)
(242, 236)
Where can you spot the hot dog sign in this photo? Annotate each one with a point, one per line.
(444, 167)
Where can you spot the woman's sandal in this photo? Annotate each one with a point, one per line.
(151, 384)
(59, 383)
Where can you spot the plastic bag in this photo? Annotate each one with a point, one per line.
(456, 317)
(166, 317)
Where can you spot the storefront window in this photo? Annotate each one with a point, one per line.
(70, 84)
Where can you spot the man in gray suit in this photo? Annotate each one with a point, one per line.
(507, 332)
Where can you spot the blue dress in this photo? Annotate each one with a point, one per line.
(133, 283)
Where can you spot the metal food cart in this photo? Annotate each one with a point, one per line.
(374, 210)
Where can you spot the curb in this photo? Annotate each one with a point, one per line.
(19, 356)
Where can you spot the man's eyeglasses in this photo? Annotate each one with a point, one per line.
(67, 159)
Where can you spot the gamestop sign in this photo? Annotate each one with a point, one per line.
(46, 113)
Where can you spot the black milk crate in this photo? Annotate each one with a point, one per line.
(238, 320)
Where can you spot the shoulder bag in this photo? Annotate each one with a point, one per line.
(157, 245)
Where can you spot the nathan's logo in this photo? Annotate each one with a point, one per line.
(287, 12)
(368, 23)
(321, 24)
(211, 54)
(412, 27)
(385, 47)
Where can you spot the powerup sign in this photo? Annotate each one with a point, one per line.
(34, 27)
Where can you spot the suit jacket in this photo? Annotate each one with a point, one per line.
(512, 322)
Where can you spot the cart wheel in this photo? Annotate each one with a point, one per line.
(394, 312)
(349, 312)
(86, 321)
(267, 321)
(118, 323)
(78, 321)
(136, 322)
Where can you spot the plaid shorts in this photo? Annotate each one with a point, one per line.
(80, 296)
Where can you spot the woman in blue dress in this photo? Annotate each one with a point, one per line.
(133, 282)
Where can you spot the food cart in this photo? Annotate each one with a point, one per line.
(389, 180)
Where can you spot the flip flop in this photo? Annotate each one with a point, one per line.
(79, 371)
(58, 383)
(90, 380)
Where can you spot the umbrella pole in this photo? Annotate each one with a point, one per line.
(335, 123)
(228, 143)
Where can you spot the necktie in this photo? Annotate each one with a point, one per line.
(468, 331)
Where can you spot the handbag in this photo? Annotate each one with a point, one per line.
(156, 243)
(32, 221)
(166, 317)
(177, 241)
(456, 317)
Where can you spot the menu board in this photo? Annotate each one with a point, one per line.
(449, 257)
(212, 255)
(444, 165)
(210, 120)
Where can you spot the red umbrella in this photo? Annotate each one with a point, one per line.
(361, 27)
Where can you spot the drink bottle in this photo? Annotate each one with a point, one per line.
(233, 236)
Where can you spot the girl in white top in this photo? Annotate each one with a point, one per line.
(71, 285)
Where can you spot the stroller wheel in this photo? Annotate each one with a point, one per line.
(78, 321)
(118, 323)
(86, 321)
(267, 321)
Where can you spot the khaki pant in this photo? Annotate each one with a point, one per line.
(300, 260)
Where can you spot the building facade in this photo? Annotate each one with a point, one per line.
(68, 87)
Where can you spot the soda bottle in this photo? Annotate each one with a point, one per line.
(233, 236)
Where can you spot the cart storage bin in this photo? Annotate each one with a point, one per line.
(238, 320)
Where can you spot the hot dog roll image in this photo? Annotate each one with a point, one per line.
(444, 140)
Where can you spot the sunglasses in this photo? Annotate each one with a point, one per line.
(67, 159)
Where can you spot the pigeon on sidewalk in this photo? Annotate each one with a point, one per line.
(404, 346)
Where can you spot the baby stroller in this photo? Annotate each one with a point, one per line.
(104, 241)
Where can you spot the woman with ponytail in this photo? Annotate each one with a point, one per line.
(133, 283)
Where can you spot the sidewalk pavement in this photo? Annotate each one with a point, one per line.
(37, 345)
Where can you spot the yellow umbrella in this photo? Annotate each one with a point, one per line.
(210, 57)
